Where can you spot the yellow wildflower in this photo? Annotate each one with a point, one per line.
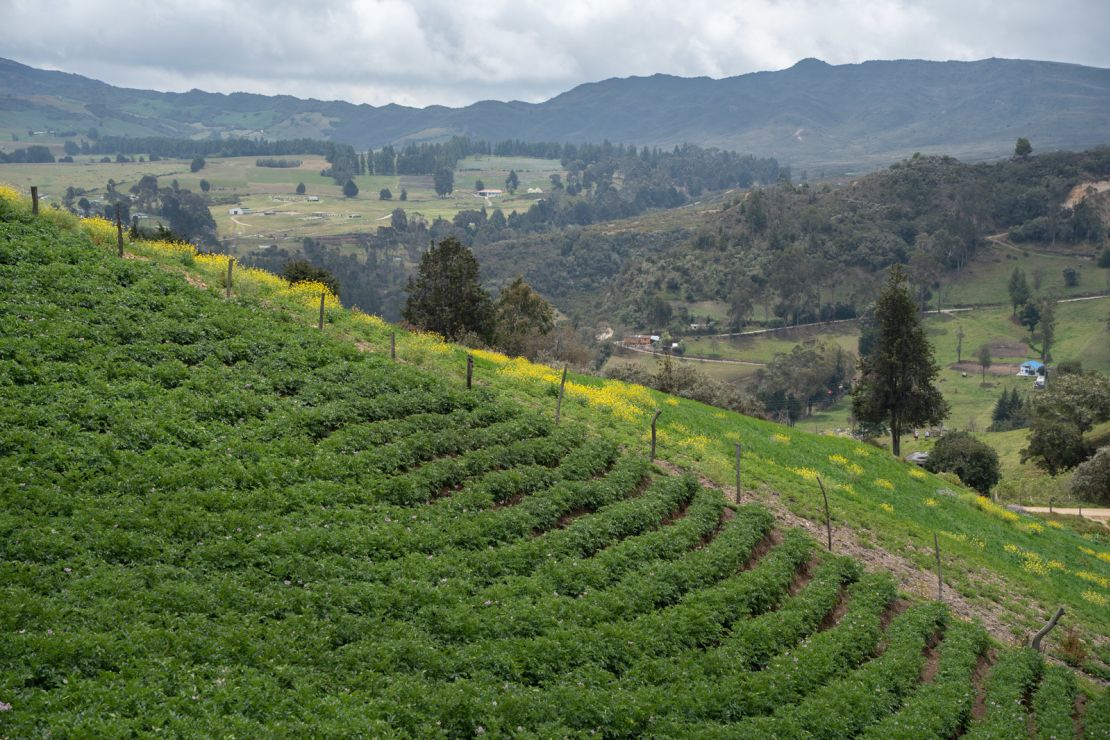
(1095, 578)
(1011, 548)
(918, 473)
(930, 502)
(807, 473)
(888, 508)
(1096, 598)
(495, 357)
(884, 483)
(780, 438)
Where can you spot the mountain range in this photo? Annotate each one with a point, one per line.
(829, 118)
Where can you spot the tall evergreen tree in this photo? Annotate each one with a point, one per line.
(897, 379)
(1019, 289)
(446, 297)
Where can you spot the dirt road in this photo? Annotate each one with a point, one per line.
(1098, 515)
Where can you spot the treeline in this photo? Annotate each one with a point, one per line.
(35, 153)
(277, 163)
(161, 146)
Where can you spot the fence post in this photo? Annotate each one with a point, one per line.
(320, 325)
(34, 200)
(230, 262)
(119, 232)
(828, 520)
(559, 403)
(737, 472)
(1035, 643)
(469, 371)
(393, 345)
(940, 579)
(654, 419)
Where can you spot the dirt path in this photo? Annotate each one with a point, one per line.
(693, 358)
(1096, 515)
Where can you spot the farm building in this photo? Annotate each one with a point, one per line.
(1030, 368)
(489, 193)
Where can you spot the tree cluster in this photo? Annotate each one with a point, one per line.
(1010, 412)
(1070, 405)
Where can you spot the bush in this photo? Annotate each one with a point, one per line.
(1091, 480)
(972, 460)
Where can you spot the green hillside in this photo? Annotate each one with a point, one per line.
(218, 519)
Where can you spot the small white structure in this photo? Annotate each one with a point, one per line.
(1031, 368)
(235, 212)
(535, 191)
(312, 198)
(489, 193)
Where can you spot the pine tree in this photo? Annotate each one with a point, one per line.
(446, 297)
(1019, 289)
(897, 379)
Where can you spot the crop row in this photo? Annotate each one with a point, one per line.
(655, 686)
(559, 678)
(1054, 703)
(749, 646)
(1011, 680)
(941, 708)
(847, 705)
(699, 619)
(654, 585)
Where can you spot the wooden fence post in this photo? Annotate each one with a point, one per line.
(230, 262)
(940, 578)
(828, 520)
(654, 419)
(559, 403)
(1051, 500)
(34, 200)
(320, 325)
(469, 371)
(393, 345)
(119, 232)
(1035, 643)
(737, 472)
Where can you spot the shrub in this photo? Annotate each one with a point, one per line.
(975, 462)
(1091, 480)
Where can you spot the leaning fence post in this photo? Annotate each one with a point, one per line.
(828, 520)
(1051, 500)
(559, 403)
(940, 579)
(393, 345)
(34, 200)
(320, 324)
(469, 371)
(654, 419)
(1035, 643)
(230, 262)
(119, 232)
(737, 472)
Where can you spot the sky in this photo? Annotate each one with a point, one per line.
(453, 52)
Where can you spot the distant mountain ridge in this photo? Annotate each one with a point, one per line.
(812, 115)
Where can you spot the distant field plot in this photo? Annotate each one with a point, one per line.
(985, 279)
(277, 214)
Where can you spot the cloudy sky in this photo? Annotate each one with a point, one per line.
(454, 52)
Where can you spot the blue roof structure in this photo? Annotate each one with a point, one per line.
(1033, 364)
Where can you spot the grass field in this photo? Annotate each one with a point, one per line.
(218, 519)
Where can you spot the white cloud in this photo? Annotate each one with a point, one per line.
(419, 52)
